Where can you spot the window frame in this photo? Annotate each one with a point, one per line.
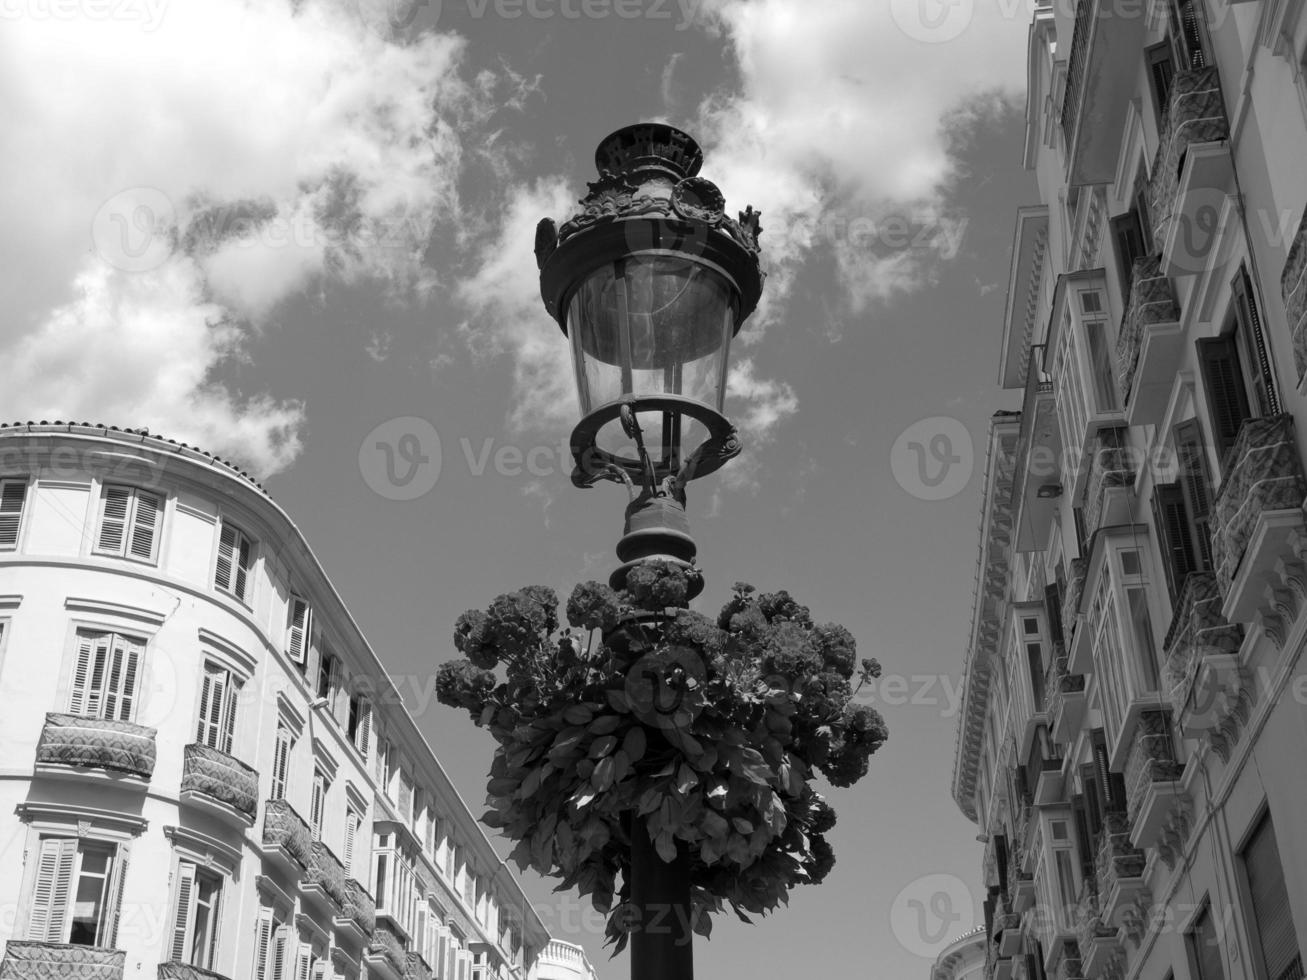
(208, 959)
(33, 876)
(229, 706)
(131, 523)
(16, 516)
(245, 595)
(130, 692)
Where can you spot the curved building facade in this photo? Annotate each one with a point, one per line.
(564, 961)
(962, 959)
(204, 768)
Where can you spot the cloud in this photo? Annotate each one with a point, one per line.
(205, 171)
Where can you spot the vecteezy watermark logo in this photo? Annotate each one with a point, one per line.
(932, 21)
(389, 19)
(930, 912)
(665, 687)
(1197, 229)
(400, 459)
(133, 230)
(148, 13)
(932, 459)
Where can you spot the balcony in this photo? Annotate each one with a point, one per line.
(1120, 867)
(1197, 630)
(1020, 882)
(1257, 526)
(220, 783)
(1006, 930)
(1149, 345)
(1066, 701)
(1067, 964)
(416, 967)
(1111, 479)
(1154, 796)
(385, 954)
(1293, 288)
(1039, 453)
(60, 961)
(1192, 172)
(287, 841)
(184, 971)
(119, 747)
(324, 879)
(1100, 83)
(358, 913)
(1077, 569)
(1096, 938)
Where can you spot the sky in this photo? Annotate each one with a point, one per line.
(299, 235)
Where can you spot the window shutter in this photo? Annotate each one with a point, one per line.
(1250, 320)
(1196, 482)
(54, 882)
(81, 674)
(279, 952)
(351, 828)
(1163, 72)
(315, 808)
(302, 965)
(280, 762)
(242, 568)
(117, 881)
(183, 910)
(1053, 609)
(1190, 33)
(113, 520)
(298, 630)
(1270, 905)
(12, 495)
(263, 944)
(1227, 398)
(1128, 234)
(222, 576)
(1172, 523)
(365, 726)
(231, 694)
(124, 659)
(93, 704)
(1034, 655)
(145, 526)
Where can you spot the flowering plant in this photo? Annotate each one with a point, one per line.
(709, 731)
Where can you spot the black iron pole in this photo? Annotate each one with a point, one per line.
(661, 947)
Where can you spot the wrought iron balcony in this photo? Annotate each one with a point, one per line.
(97, 743)
(60, 961)
(1293, 288)
(324, 877)
(1096, 938)
(1197, 630)
(388, 948)
(211, 777)
(1257, 525)
(1111, 476)
(1149, 343)
(416, 967)
(1196, 115)
(1156, 803)
(286, 837)
(184, 971)
(1119, 866)
(359, 908)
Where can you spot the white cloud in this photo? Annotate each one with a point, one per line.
(306, 146)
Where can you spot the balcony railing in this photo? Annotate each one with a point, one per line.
(97, 743)
(1020, 882)
(326, 873)
(1293, 288)
(1066, 702)
(388, 945)
(60, 961)
(359, 907)
(416, 967)
(286, 834)
(1111, 473)
(221, 778)
(1119, 866)
(184, 971)
(1264, 475)
(1078, 569)
(1154, 796)
(1198, 629)
(1068, 965)
(1152, 301)
(1096, 939)
(1196, 114)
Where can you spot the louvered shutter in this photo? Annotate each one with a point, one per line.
(365, 727)
(54, 882)
(117, 881)
(263, 946)
(1227, 398)
(1270, 905)
(1084, 839)
(1172, 522)
(12, 495)
(1162, 68)
(222, 576)
(82, 674)
(1190, 34)
(1053, 609)
(1196, 483)
(302, 964)
(242, 568)
(298, 630)
(1250, 322)
(1111, 785)
(93, 703)
(113, 519)
(183, 913)
(119, 695)
(405, 797)
(280, 762)
(279, 953)
(316, 804)
(351, 828)
(145, 526)
(1129, 237)
(232, 696)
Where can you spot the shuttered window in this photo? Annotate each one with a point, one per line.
(1111, 785)
(1205, 947)
(235, 562)
(1195, 480)
(265, 931)
(131, 520)
(298, 626)
(106, 670)
(281, 761)
(77, 892)
(1172, 523)
(1255, 352)
(194, 937)
(1128, 234)
(1187, 34)
(1227, 396)
(360, 723)
(219, 693)
(318, 804)
(1161, 72)
(328, 676)
(352, 824)
(13, 494)
(1269, 909)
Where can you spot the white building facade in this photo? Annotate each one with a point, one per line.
(204, 768)
(564, 961)
(1134, 722)
(962, 959)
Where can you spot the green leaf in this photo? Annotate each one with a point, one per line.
(605, 724)
(602, 777)
(742, 825)
(577, 714)
(601, 746)
(618, 701)
(634, 744)
(665, 846)
(686, 779)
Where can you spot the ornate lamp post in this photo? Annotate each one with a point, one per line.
(651, 281)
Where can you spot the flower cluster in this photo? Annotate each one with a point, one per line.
(710, 731)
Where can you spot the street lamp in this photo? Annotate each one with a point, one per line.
(651, 281)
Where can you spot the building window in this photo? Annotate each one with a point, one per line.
(218, 697)
(405, 797)
(105, 674)
(195, 915)
(1125, 652)
(1161, 73)
(13, 494)
(130, 522)
(1182, 510)
(1269, 910)
(359, 727)
(1186, 34)
(318, 804)
(353, 826)
(1205, 948)
(235, 562)
(281, 761)
(328, 676)
(77, 891)
(272, 949)
(299, 623)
